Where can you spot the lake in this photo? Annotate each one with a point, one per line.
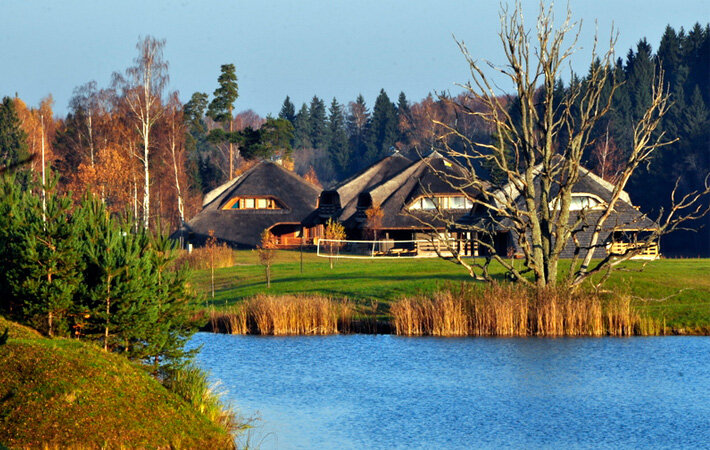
(383, 391)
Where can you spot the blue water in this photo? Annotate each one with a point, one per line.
(381, 391)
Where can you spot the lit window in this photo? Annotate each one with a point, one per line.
(451, 202)
(579, 202)
(460, 203)
(252, 203)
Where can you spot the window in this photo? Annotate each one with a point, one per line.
(580, 202)
(253, 203)
(448, 202)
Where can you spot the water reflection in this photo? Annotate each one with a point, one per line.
(365, 391)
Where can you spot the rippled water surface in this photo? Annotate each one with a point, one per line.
(380, 391)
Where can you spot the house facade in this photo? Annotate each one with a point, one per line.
(407, 206)
(622, 231)
(265, 197)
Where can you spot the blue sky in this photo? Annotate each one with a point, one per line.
(300, 48)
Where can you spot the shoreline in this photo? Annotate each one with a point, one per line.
(386, 327)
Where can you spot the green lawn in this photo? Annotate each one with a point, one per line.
(675, 290)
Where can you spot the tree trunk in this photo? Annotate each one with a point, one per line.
(231, 156)
(108, 312)
(181, 208)
(146, 169)
(44, 178)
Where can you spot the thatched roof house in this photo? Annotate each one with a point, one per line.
(267, 196)
(590, 195)
(409, 199)
(344, 196)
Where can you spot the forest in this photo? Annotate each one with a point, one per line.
(147, 155)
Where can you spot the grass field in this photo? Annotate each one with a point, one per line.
(677, 290)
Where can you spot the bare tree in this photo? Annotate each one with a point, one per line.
(538, 143)
(142, 90)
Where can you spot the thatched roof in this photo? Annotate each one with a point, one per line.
(374, 175)
(422, 178)
(242, 227)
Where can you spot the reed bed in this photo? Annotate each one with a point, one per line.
(284, 315)
(507, 310)
(221, 255)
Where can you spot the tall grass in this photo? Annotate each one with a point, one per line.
(203, 257)
(192, 385)
(507, 310)
(284, 315)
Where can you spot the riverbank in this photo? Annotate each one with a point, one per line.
(471, 310)
(62, 393)
(674, 293)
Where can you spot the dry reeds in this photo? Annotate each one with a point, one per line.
(201, 258)
(230, 321)
(507, 310)
(284, 315)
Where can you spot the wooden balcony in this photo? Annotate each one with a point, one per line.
(647, 252)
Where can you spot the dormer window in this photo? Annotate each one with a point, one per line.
(581, 201)
(443, 202)
(253, 203)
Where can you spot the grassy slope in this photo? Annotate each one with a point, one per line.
(58, 392)
(682, 286)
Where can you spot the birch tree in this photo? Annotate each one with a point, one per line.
(142, 90)
(176, 131)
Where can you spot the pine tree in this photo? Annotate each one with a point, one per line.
(222, 106)
(135, 302)
(202, 159)
(39, 257)
(302, 129)
(640, 70)
(13, 140)
(358, 125)
(404, 118)
(288, 111)
(383, 128)
(50, 262)
(318, 126)
(338, 145)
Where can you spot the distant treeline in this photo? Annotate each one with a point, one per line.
(143, 148)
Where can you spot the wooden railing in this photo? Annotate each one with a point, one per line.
(621, 248)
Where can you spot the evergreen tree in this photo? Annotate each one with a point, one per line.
(272, 139)
(404, 118)
(50, 263)
(302, 129)
(135, 302)
(203, 169)
(222, 105)
(12, 208)
(338, 145)
(318, 126)
(288, 111)
(640, 70)
(383, 128)
(39, 259)
(13, 140)
(358, 125)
